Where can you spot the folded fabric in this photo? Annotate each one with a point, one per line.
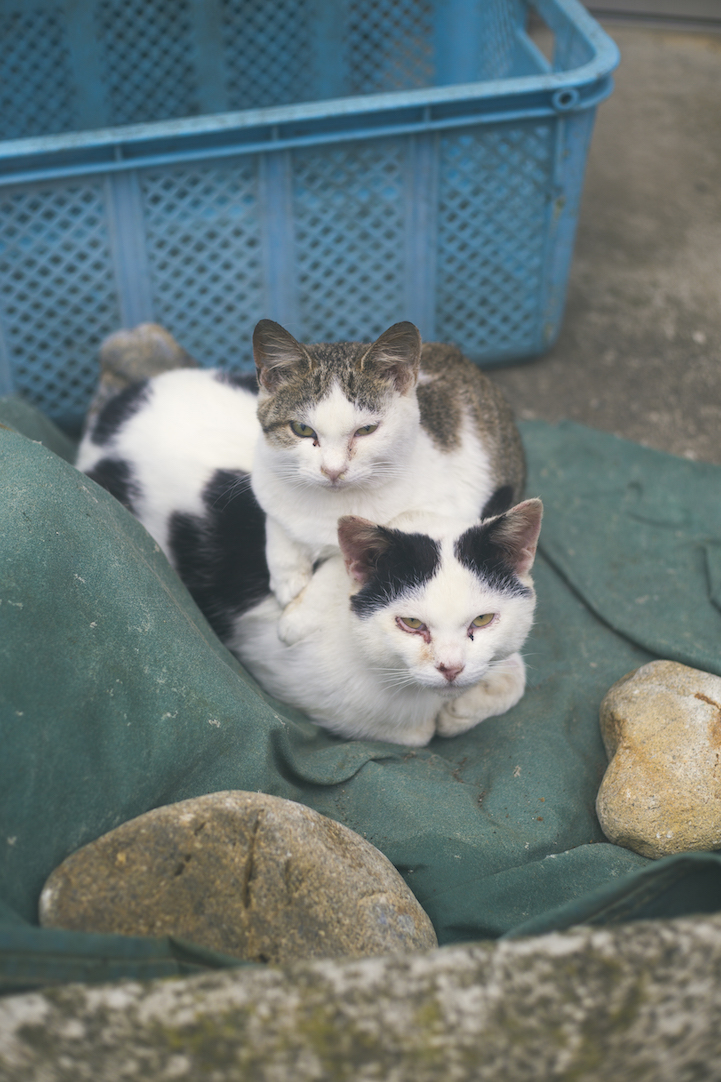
(116, 697)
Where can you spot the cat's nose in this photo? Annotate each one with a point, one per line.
(450, 671)
(332, 473)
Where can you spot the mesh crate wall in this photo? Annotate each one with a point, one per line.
(464, 228)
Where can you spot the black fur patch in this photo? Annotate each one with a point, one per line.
(500, 501)
(221, 556)
(117, 411)
(479, 551)
(116, 476)
(247, 380)
(409, 561)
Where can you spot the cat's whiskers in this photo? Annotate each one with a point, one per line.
(291, 476)
(404, 688)
(391, 670)
(397, 679)
(500, 666)
(237, 488)
(388, 468)
(379, 471)
(372, 483)
(296, 481)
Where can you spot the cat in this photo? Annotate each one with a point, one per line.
(372, 430)
(417, 627)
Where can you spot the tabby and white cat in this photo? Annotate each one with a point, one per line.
(372, 430)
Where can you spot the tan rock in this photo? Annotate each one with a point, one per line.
(661, 793)
(251, 875)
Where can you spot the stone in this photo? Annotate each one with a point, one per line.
(254, 876)
(638, 1001)
(135, 354)
(661, 793)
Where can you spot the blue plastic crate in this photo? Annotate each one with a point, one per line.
(385, 160)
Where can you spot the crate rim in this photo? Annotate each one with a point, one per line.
(285, 126)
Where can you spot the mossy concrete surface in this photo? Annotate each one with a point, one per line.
(636, 1002)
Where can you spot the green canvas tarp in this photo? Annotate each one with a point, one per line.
(115, 698)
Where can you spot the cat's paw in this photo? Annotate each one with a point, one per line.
(288, 586)
(495, 694)
(297, 621)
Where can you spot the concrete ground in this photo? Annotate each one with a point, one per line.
(640, 349)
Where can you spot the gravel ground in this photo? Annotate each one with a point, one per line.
(640, 349)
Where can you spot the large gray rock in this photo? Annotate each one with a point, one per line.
(661, 793)
(252, 875)
(640, 1001)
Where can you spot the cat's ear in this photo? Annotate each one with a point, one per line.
(362, 544)
(396, 356)
(277, 354)
(516, 534)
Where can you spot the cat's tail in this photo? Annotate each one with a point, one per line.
(130, 356)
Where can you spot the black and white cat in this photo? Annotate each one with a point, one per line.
(417, 627)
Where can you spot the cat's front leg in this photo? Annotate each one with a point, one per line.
(495, 694)
(307, 614)
(290, 565)
(298, 620)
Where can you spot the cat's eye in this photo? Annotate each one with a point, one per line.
(305, 431)
(409, 623)
(483, 621)
(366, 430)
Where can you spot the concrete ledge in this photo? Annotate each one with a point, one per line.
(639, 1001)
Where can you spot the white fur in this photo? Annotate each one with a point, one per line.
(191, 426)
(366, 678)
(394, 469)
